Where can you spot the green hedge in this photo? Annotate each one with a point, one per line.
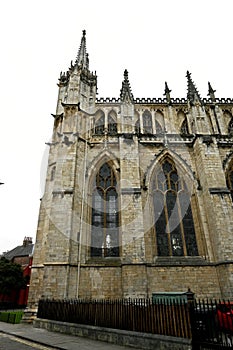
(11, 316)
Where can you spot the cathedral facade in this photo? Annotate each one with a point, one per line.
(138, 195)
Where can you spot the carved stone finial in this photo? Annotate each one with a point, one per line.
(211, 92)
(167, 93)
(126, 75)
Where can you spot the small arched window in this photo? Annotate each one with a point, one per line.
(230, 179)
(147, 123)
(174, 226)
(105, 214)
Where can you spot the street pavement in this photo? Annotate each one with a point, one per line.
(53, 340)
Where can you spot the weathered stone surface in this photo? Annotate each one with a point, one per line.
(148, 131)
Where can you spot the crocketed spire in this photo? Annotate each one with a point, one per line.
(192, 93)
(126, 94)
(82, 57)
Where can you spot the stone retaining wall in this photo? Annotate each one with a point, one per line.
(143, 341)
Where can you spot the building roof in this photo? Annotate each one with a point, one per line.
(22, 250)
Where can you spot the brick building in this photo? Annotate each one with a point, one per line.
(138, 195)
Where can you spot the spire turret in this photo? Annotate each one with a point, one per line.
(192, 94)
(78, 85)
(82, 57)
(211, 92)
(126, 94)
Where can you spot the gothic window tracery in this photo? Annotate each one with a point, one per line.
(105, 214)
(174, 226)
(230, 179)
(147, 123)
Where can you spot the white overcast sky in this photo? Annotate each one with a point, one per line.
(156, 41)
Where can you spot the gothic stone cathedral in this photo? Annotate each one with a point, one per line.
(138, 195)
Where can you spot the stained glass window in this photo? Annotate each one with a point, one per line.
(105, 215)
(174, 226)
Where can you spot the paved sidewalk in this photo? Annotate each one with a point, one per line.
(56, 340)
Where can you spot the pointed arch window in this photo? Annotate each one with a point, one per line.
(147, 123)
(174, 226)
(112, 125)
(99, 123)
(105, 214)
(230, 179)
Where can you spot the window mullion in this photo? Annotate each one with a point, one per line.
(167, 225)
(105, 220)
(181, 224)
